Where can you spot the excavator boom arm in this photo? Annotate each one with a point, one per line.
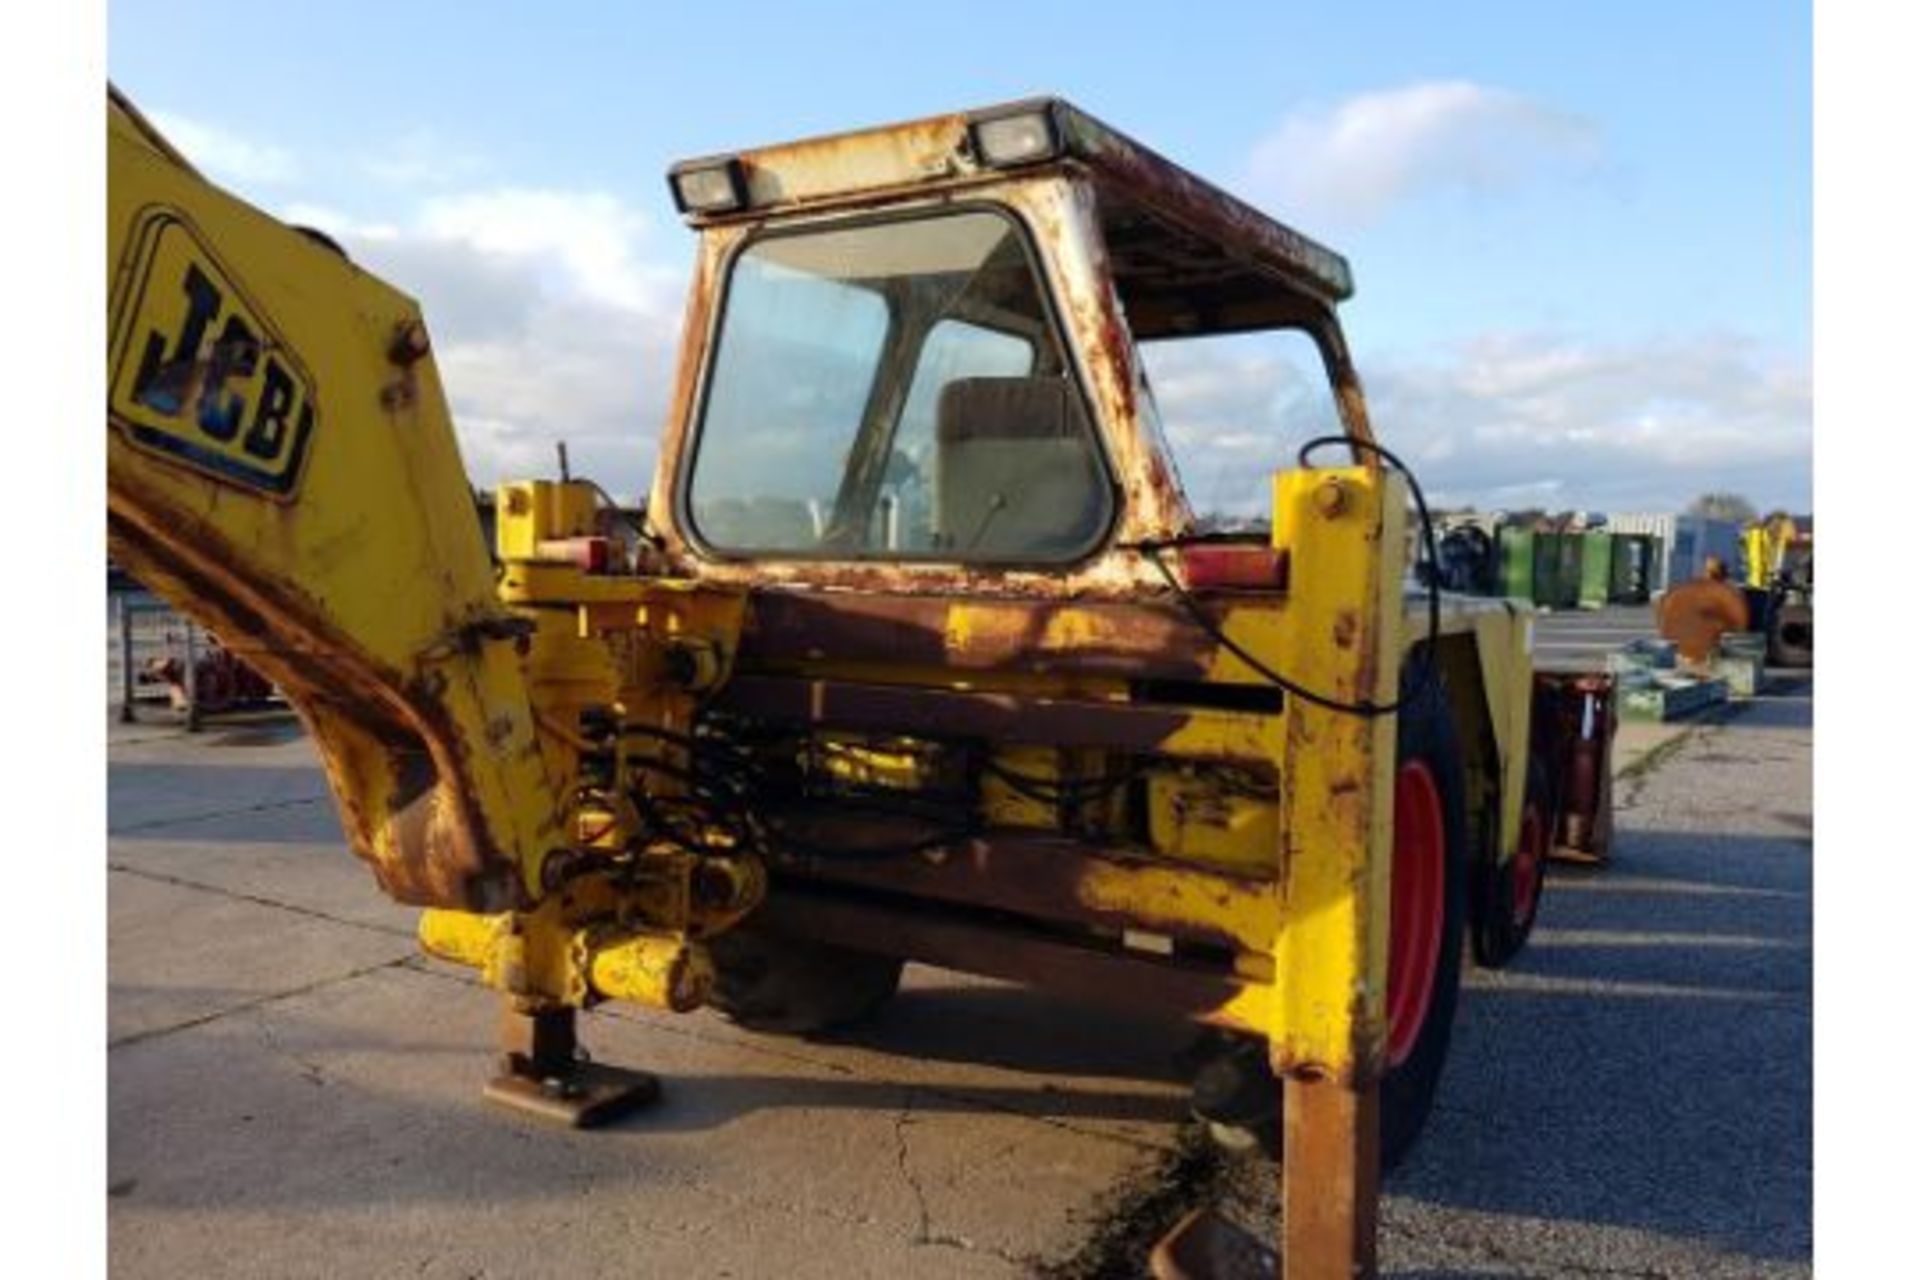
(281, 466)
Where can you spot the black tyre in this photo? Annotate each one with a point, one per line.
(1234, 1091)
(793, 986)
(1429, 793)
(1509, 892)
(1790, 636)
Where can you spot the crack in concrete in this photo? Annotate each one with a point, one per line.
(247, 1006)
(901, 1120)
(160, 877)
(924, 1235)
(265, 806)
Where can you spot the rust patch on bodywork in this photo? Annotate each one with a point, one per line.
(1103, 638)
(974, 943)
(996, 717)
(1346, 628)
(1057, 880)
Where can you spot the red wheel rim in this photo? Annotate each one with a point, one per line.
(1525, 866)
(1419, 906)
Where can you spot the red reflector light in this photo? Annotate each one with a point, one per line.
(1234, 567)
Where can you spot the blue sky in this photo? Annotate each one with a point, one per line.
(1580, 231)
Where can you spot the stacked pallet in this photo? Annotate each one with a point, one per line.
(1657, 685)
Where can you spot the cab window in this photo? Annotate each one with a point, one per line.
(894, 390)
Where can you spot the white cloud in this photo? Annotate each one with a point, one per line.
(551, 320)
(420, 158)
(1349, 163)
(223, 155)
(590, 237)
(1508, 420)
(550, 323)
(302, 213)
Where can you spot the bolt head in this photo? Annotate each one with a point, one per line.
(1330, 497)
(410, 343)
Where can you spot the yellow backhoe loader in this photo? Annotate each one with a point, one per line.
(918, 653)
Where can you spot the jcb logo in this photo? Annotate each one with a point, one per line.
(199, 374)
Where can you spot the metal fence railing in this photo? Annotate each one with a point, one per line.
(144, 636)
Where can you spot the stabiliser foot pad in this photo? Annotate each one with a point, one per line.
(1205, 1246)
(587, 1096)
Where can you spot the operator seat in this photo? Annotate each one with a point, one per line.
(1014, 475)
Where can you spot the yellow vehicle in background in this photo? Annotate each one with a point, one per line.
(1779, 576)
(917, 654)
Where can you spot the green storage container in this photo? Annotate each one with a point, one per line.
(1516, 562)
(1571, 561)
(1632, 572)
(1556, 570)
(1596, 569)
(1546, 568)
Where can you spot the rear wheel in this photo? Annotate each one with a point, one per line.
(1510, 891)
(1790, 636)
(1235, 1092)
(1429, 920)
(773, 983)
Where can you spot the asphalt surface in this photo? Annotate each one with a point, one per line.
(1579, 639)
(1634, 1096)
(293, 1090)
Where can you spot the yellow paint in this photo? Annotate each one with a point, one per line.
(1500, 632)
(1194, 816)
(1330, 956)
(646, 969)
(543, 957)
(1765, 544)
(529, 512)
(356, 579)
(1166, 898)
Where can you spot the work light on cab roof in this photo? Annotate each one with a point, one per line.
(708, 186)
(1016, 135)
(1016, 139)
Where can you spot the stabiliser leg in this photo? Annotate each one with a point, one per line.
(542, 1073)
(1330, 1179)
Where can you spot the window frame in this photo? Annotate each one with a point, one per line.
(1329, 367)
(687, 464)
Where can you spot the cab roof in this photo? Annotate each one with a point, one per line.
(1189, 257)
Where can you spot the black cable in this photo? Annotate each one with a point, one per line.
(1364, 707)
(868, 853)
(725, 784)
(1064, 791)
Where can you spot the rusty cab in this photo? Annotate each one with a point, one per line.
(1005, 704)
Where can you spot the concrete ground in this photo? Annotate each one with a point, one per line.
(293, 1091)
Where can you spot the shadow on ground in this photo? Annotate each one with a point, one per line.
(1648, 1063)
